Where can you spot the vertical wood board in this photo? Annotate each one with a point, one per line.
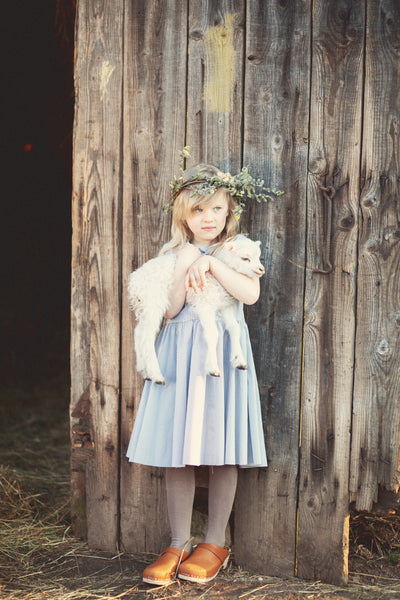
(335, 136)
(154, 130)
(375, 440)
(95, 267)
(275, 147)
(215, 78)
(214, 93)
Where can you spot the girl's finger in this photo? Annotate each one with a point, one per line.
(187, 282)
(193, 282)
(203, 279)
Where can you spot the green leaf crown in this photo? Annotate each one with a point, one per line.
(241, 187)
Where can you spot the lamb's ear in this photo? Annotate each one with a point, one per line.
(258, 242)
(229, 246)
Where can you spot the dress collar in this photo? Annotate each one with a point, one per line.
(203, 249)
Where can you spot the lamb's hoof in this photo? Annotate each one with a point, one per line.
(239, 363)
(158, 381)
(215, 373)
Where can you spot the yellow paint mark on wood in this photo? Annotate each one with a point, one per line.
(220, 66)
(106, 72)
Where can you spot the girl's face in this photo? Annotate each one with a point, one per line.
(207, 220)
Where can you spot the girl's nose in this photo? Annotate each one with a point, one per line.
(207, 215)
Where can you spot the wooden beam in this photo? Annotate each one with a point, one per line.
(376, 418)
(215, 83)
(332, 227)
(95, 308)
(155, 38)
(275, 147)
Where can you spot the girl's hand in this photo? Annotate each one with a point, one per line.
(196, 275)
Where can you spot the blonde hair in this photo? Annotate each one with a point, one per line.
(187, 200)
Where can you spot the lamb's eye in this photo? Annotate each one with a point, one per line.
(245, 259)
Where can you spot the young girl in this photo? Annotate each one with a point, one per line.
(197, 419)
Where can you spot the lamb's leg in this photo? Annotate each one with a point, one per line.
(232, 326)
(207, 319)
(146, 358)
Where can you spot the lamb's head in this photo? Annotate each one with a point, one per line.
(243, 255)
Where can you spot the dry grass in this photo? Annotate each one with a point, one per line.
(40, 560)
(378, 534)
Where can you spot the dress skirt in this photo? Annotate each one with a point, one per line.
(195, 418)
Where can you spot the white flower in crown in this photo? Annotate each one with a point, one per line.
(227, 177)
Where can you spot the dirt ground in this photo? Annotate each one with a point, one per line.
(40, 559)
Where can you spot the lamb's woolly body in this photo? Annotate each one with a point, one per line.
(148, 293)
(148, 286)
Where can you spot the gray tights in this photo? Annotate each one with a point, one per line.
(180, 495)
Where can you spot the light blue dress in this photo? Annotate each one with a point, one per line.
(195, 418)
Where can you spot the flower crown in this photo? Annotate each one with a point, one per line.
(241, 187)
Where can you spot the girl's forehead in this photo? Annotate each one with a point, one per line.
(218, 198)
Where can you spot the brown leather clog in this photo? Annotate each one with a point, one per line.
(162, 571)
(204, 563)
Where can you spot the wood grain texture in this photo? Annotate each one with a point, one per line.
(304, 93)
(375, 440)
(215, 83)
(215, 93)
(95, 271)
(275, 147)
(335, 134)
(154, 130)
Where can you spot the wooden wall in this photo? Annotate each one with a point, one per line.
(306, 93)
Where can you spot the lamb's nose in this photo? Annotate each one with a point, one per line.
(261, 269)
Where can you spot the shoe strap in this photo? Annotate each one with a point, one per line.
(175, 551)
(218, 551)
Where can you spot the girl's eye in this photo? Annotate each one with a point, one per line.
(198, 209)
(217, 208)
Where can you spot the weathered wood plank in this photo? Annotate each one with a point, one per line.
(215, 83)
(95, 315)
(154, 131)
(375, 439)
(214, 93)
(276, 147)
(335, 133)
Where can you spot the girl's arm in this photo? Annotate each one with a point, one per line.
(185, 257)
(243, 288)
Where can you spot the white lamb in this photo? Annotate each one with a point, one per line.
(148, 293)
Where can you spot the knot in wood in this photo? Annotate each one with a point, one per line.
(109, 448)
(196, 35)
(371, 201)
(256, 60)
(383, 349)
(347, 223)
(373, 246)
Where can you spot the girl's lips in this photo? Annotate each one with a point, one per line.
(208, 228)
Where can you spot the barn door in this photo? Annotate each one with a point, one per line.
(306, 94)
